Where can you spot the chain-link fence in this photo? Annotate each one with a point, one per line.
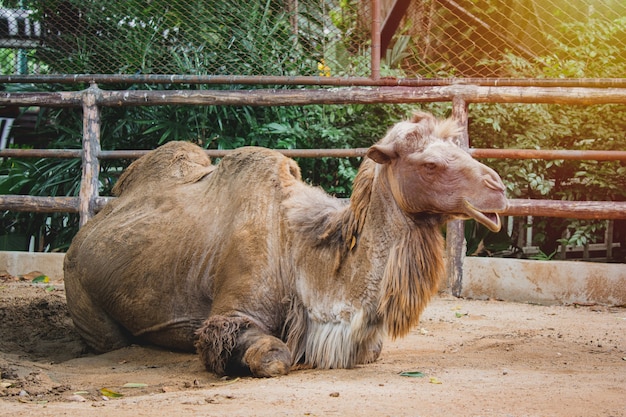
(420, 38)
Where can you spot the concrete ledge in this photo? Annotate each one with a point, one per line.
(544, 282)
(20, 263)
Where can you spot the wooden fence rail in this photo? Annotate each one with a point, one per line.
(460, 94)
(298, 97)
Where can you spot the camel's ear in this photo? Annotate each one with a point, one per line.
(418, 116)
(383, 154)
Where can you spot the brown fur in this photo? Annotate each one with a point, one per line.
(412, 277)
(176, 163)
(260, 271)
(216, 340)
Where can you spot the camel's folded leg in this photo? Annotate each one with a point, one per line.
(230, 344)
(101, 332)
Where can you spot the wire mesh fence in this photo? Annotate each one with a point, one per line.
(420, 38)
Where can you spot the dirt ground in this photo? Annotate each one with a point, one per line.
(474, 358)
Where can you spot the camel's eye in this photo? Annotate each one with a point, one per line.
(430, 166)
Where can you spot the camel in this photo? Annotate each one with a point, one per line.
(259, 272)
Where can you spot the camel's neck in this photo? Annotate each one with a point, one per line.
(358, 270)
(406, 255)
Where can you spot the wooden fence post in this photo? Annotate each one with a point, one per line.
(455, 230)
(89, 185)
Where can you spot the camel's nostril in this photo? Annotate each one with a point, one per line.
(494, 183)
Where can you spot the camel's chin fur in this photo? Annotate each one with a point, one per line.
(340, 344)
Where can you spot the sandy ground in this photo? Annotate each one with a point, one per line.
(478, 358)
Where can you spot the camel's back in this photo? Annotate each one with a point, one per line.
(150, 259)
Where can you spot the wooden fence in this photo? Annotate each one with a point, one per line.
(351, 91)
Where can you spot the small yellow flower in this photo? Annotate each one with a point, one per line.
(324, 70)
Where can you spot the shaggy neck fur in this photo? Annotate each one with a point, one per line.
(415, 264)
(398, 287)
(412, 274)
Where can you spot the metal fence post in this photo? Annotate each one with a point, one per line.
(375, 49)
(89, 185)
(455, 232)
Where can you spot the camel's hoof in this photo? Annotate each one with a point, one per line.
(268, 357)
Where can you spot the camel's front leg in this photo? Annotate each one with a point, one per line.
(230, 344)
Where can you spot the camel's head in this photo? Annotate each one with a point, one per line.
(428, 173)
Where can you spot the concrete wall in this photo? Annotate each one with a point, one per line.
(543, 282)
(21, 263)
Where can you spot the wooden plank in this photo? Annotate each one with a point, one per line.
(347, 95)
(37, 204)
(455, 229)
(297, 97)
(55, 99)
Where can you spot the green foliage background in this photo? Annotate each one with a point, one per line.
(590, 53)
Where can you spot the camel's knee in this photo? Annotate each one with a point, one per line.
(96, 327)
(216, 340)
(268, 357)
(232, 344)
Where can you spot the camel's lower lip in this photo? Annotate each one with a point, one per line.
(489, 218)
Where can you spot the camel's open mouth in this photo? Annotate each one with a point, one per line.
(490, 219)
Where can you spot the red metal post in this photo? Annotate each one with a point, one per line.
(375, 51)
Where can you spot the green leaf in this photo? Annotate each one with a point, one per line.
(41, 278)
(277, 127)
(413, 374)
(134, 385)
(109, 393)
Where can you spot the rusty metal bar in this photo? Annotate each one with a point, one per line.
(598, 210)
(40, 153)
(123, 154)
(308, 80)
(548, 154)
(375, 51)
(220, 153)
